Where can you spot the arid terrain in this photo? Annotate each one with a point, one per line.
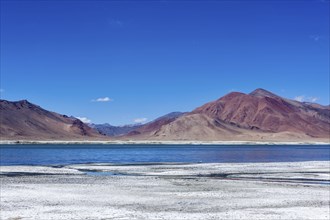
(257, 116)
(23, 120)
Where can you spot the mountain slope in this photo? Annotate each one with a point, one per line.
(24, 120)
(156, 124)
(260, 115)
(271, 113)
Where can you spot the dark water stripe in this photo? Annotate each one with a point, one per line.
(59, 155)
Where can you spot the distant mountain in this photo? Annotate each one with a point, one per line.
(113, 131)
(156, 124)
(24, 120)
(259, 115)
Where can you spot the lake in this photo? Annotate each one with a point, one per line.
(73, 154)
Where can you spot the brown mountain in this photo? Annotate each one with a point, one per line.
(24, 120)
(156, 124)
(260, 115)
(267, 112)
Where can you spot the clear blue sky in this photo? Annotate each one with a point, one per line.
(154, 57)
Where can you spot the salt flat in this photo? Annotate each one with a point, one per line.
(295, 190)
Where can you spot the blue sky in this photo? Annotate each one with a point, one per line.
(118, 61)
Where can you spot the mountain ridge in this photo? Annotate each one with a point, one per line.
(258, 115)
(239, 116)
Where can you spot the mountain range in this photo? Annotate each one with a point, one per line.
(260, 115)
(114, 131)
(257, 116)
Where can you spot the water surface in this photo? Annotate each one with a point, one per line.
(74, 154)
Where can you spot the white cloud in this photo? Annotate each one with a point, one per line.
(303, 98)
(313, 99)
(105, 99)
(140, 120)
(84, 119)
(316, 37)
(300, 98)
(116, 23)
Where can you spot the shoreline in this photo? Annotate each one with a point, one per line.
(155, 142)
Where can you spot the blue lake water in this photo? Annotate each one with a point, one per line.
(73, 154)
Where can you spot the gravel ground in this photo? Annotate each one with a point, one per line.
(167, 191)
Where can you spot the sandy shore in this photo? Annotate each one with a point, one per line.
(151, 142)
(295, 190)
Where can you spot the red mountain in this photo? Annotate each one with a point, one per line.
(268, 112)
(255, 116)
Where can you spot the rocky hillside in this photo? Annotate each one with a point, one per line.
(259, 115)
(23, 120)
